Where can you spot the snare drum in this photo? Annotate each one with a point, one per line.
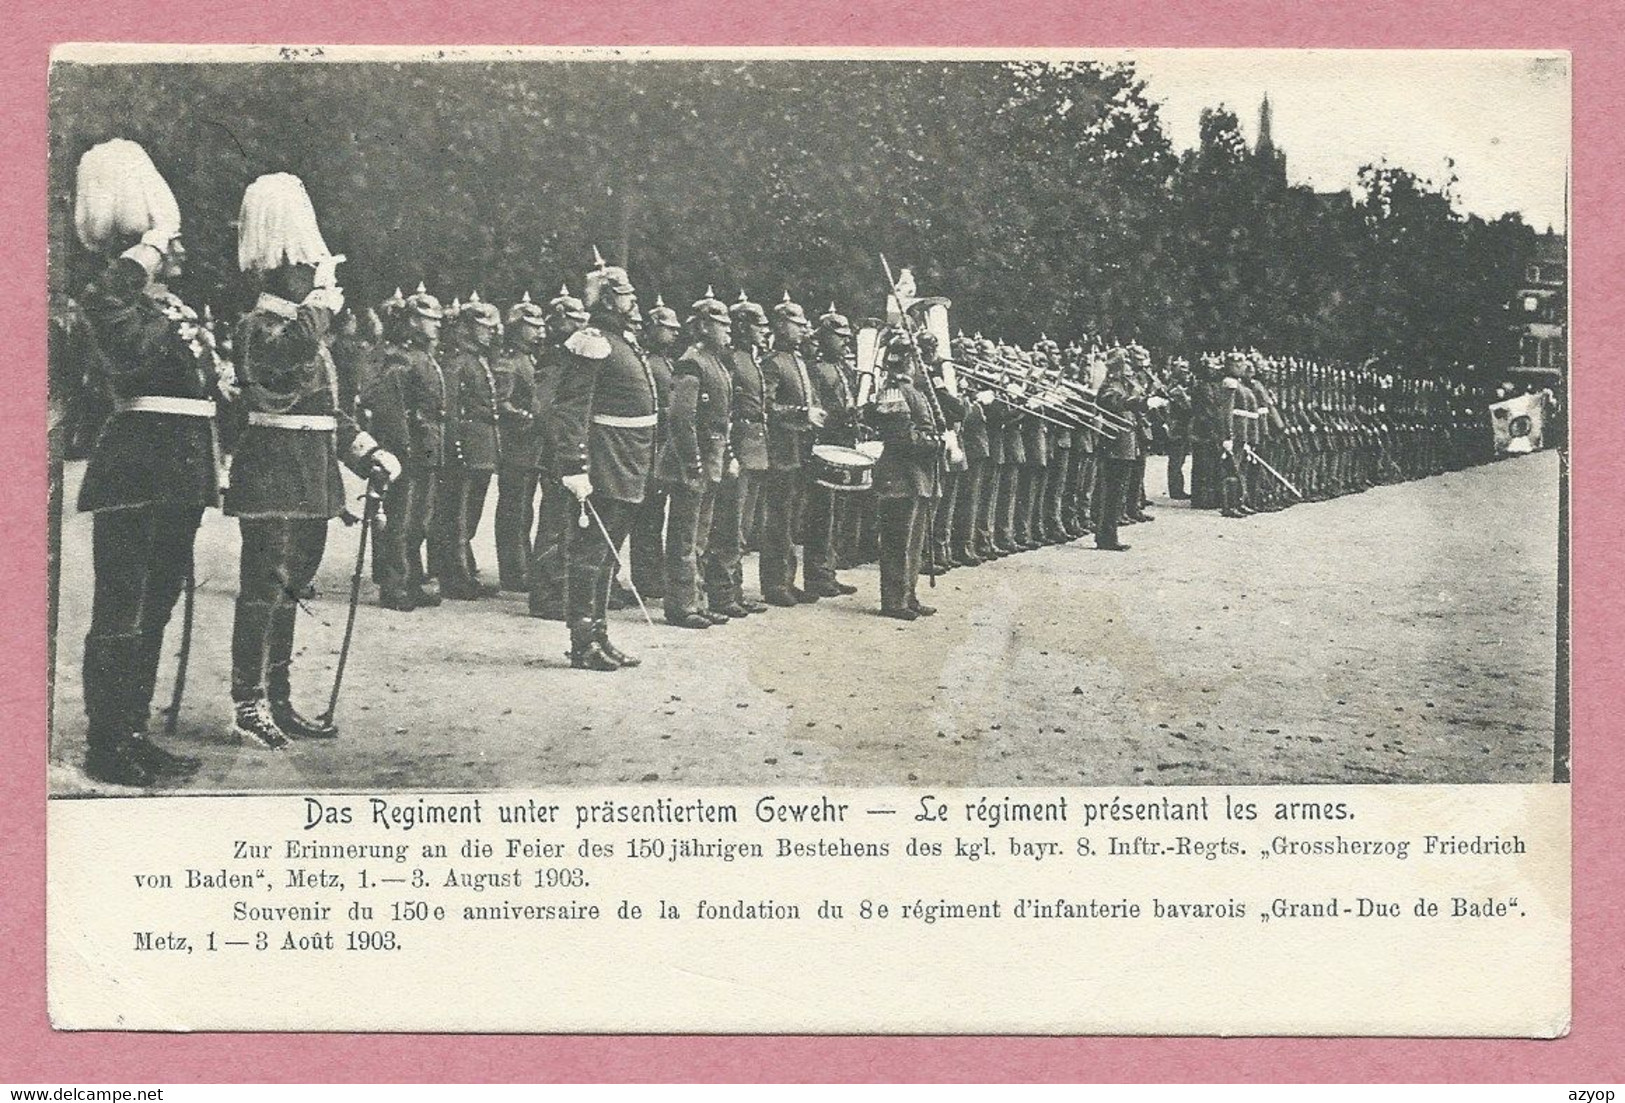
(838, 468)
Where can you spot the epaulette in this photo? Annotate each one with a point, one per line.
(588, 343)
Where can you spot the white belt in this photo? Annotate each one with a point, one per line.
(610, 421)
(309, 423)
(164, 404)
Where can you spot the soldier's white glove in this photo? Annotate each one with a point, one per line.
(386, 465)
(985, 397)
(326, 298)
(1156, 403)
(733, 469)
(817, 417)
(1229, 447)
(579, 485)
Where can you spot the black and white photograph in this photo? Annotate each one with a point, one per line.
(490, 419)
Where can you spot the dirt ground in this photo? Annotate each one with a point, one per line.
(1407, 634)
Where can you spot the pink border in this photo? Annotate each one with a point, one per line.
(1595, 1051)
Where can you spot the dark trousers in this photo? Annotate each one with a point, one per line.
(516, 517)
(1079, 494)
(820, 506)
(1060, 471)
(589, 564)
(141, 556)
(688, 532)
(1029, 478)
(555, 518)
(1135, 506)
(968, 494)
(783, 496)
(648, 544)
(279, 559)
(460, 507)
(1115, 477)
(736, 500)
(943, 511)
(1178, 450)
(408, 513)
(1004, 514)
(1207, 474)
(902, 535)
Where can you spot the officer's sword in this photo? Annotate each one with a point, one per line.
(369, 515)
(586, 508)
(174, 717)
(1280, 478)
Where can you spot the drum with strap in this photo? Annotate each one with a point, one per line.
(838, 468)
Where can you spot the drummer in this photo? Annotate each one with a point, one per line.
(825, 510)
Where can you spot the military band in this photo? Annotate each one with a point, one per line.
(656, 450)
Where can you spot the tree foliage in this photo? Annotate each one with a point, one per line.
(1041, 197)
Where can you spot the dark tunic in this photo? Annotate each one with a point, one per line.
(695, 449)
(284, 369)
(605, 375)
(1119, 396)
(144, 458)
(407, 401)
(749, 411)
(913, 440)
(478, 438)
(515, 372)
(838, 397)
(789, 397)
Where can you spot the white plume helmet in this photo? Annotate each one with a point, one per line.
(120, 195)
(277, 225)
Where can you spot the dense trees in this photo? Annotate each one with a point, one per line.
(1041, 197)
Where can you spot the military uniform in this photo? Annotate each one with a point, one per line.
(648, 541)
(1118, 455)
(518, 469)
(826, 511)
(285, 487)
(692, 462)
(604, 416)
(791, 404)
(905, 479)
(406, 404)
(153, 470)
(467, 479)
(737, 496)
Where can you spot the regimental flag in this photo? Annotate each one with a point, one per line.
(1519, 424)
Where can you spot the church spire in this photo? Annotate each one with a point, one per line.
(1265, 152)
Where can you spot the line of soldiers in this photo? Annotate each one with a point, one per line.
(684, 442)
(1266, 432)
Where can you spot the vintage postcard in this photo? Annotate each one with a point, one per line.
(816, 541)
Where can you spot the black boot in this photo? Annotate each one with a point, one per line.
(165, 763)
(118, 761)
(253, 723)
(277, 688)
(585, 651)
(619, 657)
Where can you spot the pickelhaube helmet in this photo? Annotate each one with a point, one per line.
(663, 316)
(605, 277)
(833, 321)
(479, 312)
(424, 304)
(743, 310)
(526, 311)
(389, 306)
(788, 310)
(566, 305)
(709, 308)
